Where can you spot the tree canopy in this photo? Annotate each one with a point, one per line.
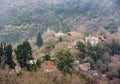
(65, 61)
(24, 53)
(8, 54)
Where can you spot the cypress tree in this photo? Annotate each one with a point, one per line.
(8, 54)
(39, 41)
(1, 50)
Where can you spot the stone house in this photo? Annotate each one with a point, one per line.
(60, 34)
(92, 40)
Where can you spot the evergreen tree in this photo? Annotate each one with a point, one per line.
(39, 41)
(8, 54)
(24, 53)
(65, 61)
(82, 49)
(95, 53)
(1, 50)
(47, 57)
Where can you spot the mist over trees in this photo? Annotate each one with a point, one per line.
(49, 37)
(116, 3)
(26, 18)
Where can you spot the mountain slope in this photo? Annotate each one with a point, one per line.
(23, 19)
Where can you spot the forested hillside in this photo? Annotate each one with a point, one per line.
(23, 19)
(59, 41)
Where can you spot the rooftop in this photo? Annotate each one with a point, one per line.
(73, 32)
(48, 65)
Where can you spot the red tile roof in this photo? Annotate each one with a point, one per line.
(73, 32)
(48, 65)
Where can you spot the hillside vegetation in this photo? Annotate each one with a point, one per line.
(23, 19)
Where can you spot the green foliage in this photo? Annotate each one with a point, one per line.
(39, 41)
(112, 27)
(85, 77)
(31, 67)
(88, 79)
(1, 50)
(82, 49)
(57, 17)
(48, 48)
(47, 57)
(95, 53)
(23, 53)
(114, 47)
(8, 54)
(65, 61)
(38, 62)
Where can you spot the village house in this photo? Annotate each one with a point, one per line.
(74, 35)
(48, 66)
(60, 34)
(92, 40)
(32, 62)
